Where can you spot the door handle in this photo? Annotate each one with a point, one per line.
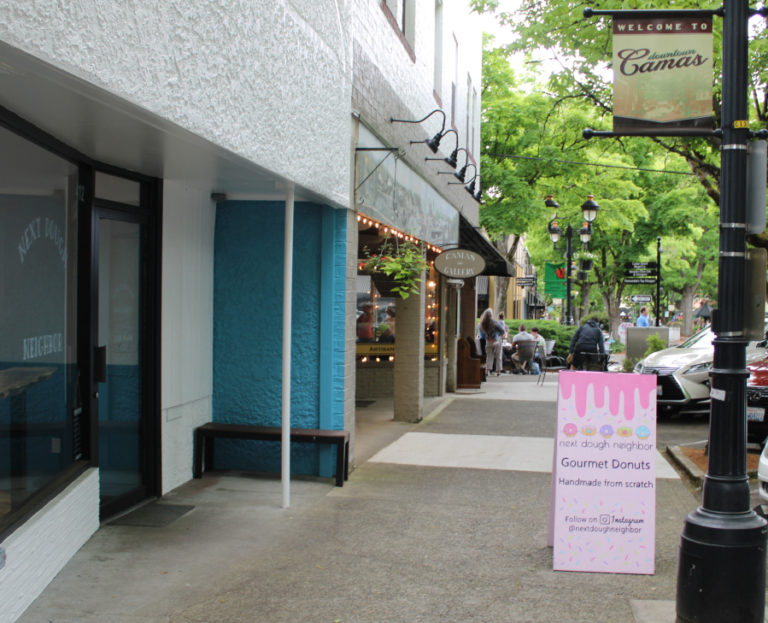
(100, 364)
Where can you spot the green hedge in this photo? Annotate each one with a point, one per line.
(549, 329)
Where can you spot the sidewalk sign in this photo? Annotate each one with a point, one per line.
(603, 506)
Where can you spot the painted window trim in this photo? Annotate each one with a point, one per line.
(396, 27)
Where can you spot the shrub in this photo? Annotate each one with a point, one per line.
(655, 343)
(629, 364)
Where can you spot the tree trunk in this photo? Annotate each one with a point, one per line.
(500, 300)
(507, 246)
(584, 308)
(686, 306)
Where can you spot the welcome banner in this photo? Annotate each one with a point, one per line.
(663, 74)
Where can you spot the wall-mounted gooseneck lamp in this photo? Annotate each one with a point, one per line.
(451, 161)
(434, 142)
(461, 174)
(470, 187)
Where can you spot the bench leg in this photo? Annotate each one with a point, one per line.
(346, 460)
(197, 454)
(340, 464)
(208, 452)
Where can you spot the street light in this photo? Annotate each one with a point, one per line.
(722, 565)
(589, 212)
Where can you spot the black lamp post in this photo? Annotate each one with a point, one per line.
(589, 212)
(721, 573)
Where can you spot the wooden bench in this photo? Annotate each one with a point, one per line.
(470, 368)
(205, 434)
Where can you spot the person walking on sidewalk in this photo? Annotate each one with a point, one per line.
(493, 333)
(588, 339)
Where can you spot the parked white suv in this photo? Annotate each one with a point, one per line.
(682, 372)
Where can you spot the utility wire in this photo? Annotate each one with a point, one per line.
(591, 164)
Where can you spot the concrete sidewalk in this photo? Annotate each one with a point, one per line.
(400, 542)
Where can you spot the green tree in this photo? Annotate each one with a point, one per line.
(582, 50)
(532, 147)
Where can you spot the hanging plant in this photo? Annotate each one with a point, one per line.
(586, 259)
(402, 262)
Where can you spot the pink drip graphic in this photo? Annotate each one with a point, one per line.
(617, 384)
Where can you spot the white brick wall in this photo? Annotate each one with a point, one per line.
(187, 331)
(39, 549)
(388, 83)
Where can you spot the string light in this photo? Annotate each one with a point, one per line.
(365, 220)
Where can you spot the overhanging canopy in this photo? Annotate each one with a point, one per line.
(471, 239)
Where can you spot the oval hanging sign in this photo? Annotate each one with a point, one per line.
(459, 263)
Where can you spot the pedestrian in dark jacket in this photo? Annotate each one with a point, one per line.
(587, 339)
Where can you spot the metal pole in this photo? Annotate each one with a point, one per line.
(721, 573)
(567, 310)
(285, 449)
(658, 278)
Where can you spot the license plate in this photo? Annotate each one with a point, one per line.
(755, 414)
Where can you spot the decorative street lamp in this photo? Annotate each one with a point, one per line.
(589, 212)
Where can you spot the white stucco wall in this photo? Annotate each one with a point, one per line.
(410, 90)
(187, 324)
(269, 80)
(414, 81)
(40, 548)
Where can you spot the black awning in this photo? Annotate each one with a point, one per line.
(473, 240)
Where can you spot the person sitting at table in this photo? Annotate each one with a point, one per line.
(522, 340)
(541, 346)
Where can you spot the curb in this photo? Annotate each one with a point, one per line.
(690, 468)
(684, 463)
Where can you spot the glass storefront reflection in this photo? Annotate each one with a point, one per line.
(38, 274)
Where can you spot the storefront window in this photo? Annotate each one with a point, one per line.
(38, 274)
(377, 308)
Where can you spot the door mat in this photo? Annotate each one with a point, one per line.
(363, 403)
(153, 515)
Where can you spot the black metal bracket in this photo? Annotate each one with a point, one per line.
(648, 13)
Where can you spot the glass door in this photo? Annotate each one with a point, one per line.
(118, 356)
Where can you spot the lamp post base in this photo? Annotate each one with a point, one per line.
(721, 572)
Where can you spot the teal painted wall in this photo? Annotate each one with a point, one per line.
(247, 352)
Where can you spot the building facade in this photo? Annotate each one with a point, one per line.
(181, 187)
(416, 106)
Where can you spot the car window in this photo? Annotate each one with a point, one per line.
(700, 341)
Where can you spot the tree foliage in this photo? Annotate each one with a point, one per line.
(533, 147)
(582, 49)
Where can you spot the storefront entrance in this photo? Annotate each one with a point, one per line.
(125, 444)
(79, 350)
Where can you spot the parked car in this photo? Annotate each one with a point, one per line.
(682, 372)
(762, 474)
(757, 401)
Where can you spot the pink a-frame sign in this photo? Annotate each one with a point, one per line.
(604, 473)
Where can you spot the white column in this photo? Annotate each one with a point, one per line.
(287, 311)
(409, 357)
